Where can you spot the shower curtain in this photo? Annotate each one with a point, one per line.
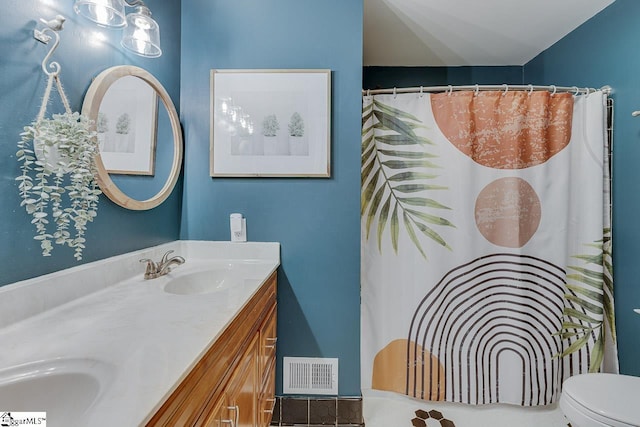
(486, 244)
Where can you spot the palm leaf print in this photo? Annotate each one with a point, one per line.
(397, 177)
(591, 291)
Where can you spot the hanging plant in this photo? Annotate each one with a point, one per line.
(57, 184)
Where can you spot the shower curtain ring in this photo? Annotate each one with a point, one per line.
(576, 91)
(368, 93)
(530, 90)
(394, 93)
(421, 92)
(450, 91)
(506, 89)
(477, 90)
(554, 90)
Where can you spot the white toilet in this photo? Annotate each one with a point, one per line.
(599, 400)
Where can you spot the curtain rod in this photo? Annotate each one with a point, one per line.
(504, 87)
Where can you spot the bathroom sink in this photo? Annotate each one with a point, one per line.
(200, 282)
(63, 388)
(214, 277)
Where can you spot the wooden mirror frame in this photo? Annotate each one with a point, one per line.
(91, 107)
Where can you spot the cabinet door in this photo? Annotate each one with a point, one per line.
(218, 417)
(242, 389)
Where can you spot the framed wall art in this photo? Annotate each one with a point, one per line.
(127, 126)
(271, 123)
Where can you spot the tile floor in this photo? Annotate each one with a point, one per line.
(382, 409)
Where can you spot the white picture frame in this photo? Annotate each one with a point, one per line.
(270, 123)
(127, 127)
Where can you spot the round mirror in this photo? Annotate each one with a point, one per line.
(139, 137)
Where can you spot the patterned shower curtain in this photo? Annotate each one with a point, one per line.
(486, 244)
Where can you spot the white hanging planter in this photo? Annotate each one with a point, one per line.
(57, 184)
(53, 160)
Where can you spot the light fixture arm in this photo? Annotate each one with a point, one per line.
(139, 5)
(134, 3)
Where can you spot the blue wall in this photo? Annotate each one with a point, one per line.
(604, 51)
(22, 83)
(389, 77)
(316, 220)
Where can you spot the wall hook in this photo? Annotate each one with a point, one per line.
(52, 26)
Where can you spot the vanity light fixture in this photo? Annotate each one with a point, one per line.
(141, 34)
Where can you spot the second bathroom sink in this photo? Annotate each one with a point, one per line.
(213, 277)
(199, 282)
(63, 388)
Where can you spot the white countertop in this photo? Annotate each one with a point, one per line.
(142, 340)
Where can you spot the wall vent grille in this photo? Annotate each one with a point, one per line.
(309, 375)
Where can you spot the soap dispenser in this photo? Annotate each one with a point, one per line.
(238, 226)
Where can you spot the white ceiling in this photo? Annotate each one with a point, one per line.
(468, 32)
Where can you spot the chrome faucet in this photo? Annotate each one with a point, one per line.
(165, 263)
(157, 269)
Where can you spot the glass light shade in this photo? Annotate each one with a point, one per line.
(107, 13)
(142, 34)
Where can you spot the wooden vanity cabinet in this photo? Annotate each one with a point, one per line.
(233, 385)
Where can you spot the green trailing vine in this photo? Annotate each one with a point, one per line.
(57, 182)
(592, 292)
(396, 176)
